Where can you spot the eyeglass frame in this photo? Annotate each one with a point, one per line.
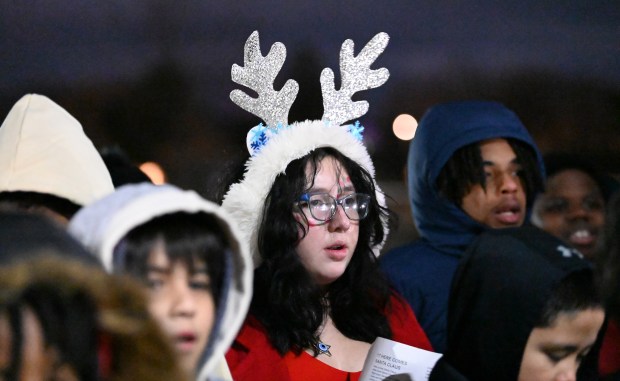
(305, 198)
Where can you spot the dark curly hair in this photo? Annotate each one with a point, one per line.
(289, 304)
(465, 169)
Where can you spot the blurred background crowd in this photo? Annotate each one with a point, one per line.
(153, 77)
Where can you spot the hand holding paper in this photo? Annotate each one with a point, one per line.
(391, 360)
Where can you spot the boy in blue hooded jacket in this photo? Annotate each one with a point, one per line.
(472, 166)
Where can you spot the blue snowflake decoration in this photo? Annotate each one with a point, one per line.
(259, 135)
(356, 130)
(257, 138)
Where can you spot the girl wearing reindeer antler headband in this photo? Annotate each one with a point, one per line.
(315, 219)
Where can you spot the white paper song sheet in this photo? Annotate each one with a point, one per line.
(391, 360)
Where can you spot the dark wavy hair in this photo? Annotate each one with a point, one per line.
(608, 259)
(286, 300)
(465, 169)
(186, 236)
(576, 292)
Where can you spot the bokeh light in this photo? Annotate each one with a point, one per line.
(154, 171)
(404, 126)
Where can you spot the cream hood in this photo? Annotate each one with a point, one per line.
(101, 225)
(44, 149)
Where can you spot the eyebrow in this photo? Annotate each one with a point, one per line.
(313, 190)
(157, 269)
(200, 270)
(486, 163)
(569, 348)
(166, 270)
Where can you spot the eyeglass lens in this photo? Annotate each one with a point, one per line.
(323, 206)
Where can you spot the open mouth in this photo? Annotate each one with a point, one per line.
(582, 237)
(337, 251)
(185, 341)
(509, 214)
(337, 247)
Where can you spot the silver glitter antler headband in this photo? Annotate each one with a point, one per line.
(259, 73)
(356, 76)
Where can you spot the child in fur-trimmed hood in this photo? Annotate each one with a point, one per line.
(61, 319)
(187, 253)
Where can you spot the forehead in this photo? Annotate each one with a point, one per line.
(159, 257)
(495, 148)
(329, 171)
(569, 327)
(571, 181)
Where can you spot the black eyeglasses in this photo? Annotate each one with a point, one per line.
(322, 206)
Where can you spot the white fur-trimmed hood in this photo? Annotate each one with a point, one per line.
(245, 199)
(101, 225)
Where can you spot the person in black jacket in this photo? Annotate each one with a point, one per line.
(523, 306)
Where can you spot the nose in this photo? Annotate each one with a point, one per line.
(567, 376)
(340, 221)
(568, 372)
(576, 211)
(182, 298)
(510, 183)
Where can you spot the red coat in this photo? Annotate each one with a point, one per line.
(609, 357)
(252, 358)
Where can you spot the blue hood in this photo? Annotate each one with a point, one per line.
(444, 129)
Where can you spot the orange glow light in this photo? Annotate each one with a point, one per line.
(154, 171)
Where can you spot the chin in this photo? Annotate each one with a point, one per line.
(327, 279)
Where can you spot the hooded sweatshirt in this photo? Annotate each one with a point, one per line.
(498, 295)
(43, 149)
(101, 225)
(422, 271)
(24, 236)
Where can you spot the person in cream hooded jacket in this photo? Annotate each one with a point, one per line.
(47, 163)
(103, 228)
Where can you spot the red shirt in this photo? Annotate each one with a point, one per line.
(609, 356)
(252, 358)
(306, 367)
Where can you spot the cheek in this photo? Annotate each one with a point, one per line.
(37, 360)
(157, 306)
(206, 305)
(553, 223)
(535, 366)
(5, 343)
(474, 203)
(301, 223)
(305, 248)
(355, 231)
(598, 219)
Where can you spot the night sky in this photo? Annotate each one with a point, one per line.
(93, 45)
(96, 58)
(90, 41)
